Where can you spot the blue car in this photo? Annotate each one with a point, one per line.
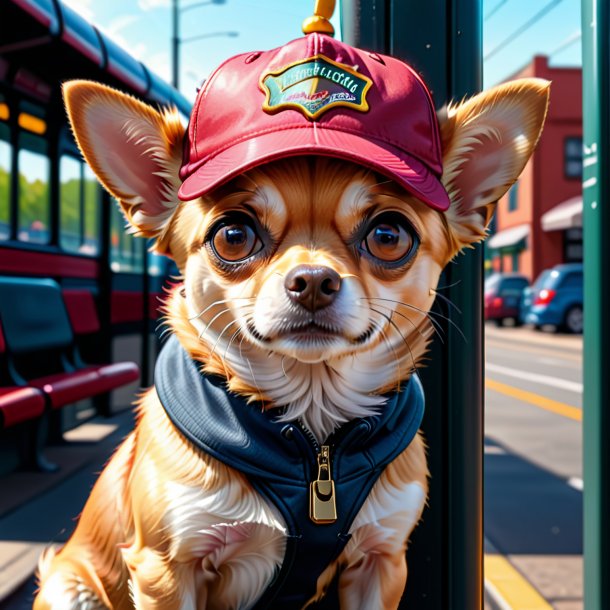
(557, 298)
(527, 297)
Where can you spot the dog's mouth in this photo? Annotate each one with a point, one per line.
(311, 332)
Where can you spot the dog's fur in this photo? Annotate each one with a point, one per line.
(169, 527)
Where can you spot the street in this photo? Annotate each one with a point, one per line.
(533, 468)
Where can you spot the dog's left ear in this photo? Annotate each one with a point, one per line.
(135, 151)
(487, 140)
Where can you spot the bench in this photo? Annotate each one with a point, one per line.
(18, 404)
(40, 347)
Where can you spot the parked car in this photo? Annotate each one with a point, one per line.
(558, 300)
(502, 297)
(527, 299)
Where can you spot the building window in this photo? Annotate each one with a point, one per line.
(513, 197)
(34, 209)
(5, 182)
(515, 261)
(79, 210)
(573, 251)
(572, 162)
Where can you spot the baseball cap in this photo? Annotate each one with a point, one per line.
(314, 95)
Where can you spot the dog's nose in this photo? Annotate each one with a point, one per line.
(313, 287)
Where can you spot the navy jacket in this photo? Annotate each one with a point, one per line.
(281, 460)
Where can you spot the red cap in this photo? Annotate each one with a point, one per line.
(314, 95)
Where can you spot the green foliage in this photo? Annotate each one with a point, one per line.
(5, 190)
(33, 202)
(34, 205)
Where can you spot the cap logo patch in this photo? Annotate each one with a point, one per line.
(313, 86)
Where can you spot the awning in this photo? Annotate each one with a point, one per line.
(566, 215)
(508, 237)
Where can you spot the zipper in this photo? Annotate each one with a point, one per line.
(322, 497)
(322, 505)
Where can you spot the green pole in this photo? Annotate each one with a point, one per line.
(442, 40)
(596, 218)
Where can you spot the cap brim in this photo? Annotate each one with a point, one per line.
(263, 148)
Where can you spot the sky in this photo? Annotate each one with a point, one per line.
(143, 28)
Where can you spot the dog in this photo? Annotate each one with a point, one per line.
(309, 267)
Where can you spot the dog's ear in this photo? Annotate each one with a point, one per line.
(135, 151)
(487, 140)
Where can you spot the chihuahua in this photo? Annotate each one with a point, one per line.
(309, 270)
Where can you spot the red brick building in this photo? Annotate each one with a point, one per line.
(538, 222)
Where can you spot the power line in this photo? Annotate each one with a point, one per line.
(495, 9)
(568, 42)
(526, 26)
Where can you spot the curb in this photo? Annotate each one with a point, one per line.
(505, 587)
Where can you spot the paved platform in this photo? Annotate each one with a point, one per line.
(35, 507)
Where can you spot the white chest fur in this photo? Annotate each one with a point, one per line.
(238, 535)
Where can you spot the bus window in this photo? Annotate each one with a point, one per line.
(5, 183)
(34, 200)
(91, 211)
(70, 175)
(126, 251)
(79, 207)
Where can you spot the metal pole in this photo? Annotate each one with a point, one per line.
(175, 45)
(442, 40)
(596, 361)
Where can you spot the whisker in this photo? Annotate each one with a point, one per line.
(435, 324)
(220, 302)
(389, 319)
(220, 336)
(446, 300)
(255, 383)
(218, 315)
(233, 336)
(438, 329)
(447, 287)
(391, 346)
(426, 313)
(205, 330)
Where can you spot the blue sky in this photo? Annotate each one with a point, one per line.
(143, 27)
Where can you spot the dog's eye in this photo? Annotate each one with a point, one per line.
(390, 238)
(234, 242)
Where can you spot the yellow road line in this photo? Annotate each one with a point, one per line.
(516, 592)
(535, 399)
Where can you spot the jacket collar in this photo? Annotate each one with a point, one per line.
(250, 439)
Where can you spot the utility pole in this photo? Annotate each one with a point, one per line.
(596, 353)
(175, 45)
(176, 36)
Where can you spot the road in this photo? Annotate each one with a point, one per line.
(533, 464)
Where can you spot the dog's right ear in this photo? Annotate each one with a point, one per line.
(135, 151)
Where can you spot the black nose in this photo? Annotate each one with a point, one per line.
(311, 286)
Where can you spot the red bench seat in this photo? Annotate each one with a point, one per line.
(65, 388)
(18, 405)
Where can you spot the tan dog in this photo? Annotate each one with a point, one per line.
(167, 526)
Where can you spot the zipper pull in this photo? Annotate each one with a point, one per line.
(322, 507)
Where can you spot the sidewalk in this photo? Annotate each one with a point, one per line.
(38, 509)
(526, 334)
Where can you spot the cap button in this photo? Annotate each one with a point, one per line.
(319, 22)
